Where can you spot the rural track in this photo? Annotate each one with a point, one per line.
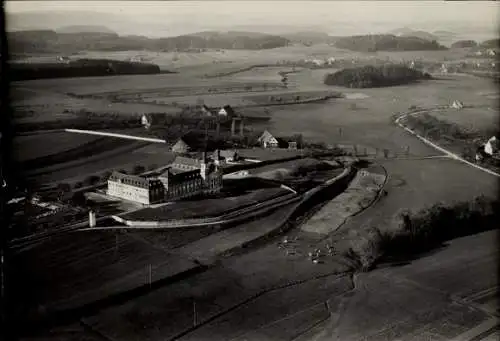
(435, 146)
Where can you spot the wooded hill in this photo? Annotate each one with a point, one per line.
(46, 41)
(386, 42)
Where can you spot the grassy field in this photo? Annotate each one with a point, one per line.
(476, 119)
(34, 146)
(206, 208)
(416, 184)
(126, 159)
(367, 120)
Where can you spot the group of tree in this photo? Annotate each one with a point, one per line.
(386, 42)
(434, 128)
(375, 76)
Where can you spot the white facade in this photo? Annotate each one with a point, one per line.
(457, 105)
(128, 192)
(491, 147)
(223, 112)
(145, 121)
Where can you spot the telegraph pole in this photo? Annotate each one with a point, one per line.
(149, 275)
(194, 313)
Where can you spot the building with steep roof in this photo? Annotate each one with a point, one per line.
(267, 140)
(457, 105)
(206, 111)
(227, 111)
(492, 146)
(181, 147)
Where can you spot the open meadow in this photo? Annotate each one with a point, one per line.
(26, 147)
(475, 119)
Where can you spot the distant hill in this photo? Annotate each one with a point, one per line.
(307, 37)
(386, 42)
(464, 44)
(422, 35)
(53, 42)
(401, 31)
(439, 35)
(491, 43)
(444, 34)
(85, 29)
(226, 40)
(375, 76)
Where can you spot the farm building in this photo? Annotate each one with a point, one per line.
(146, 121)
(227, 111)
(228, 155)
(181, 147)
(492, 146)
(185, 177)
(267, 140)
(206, 111)
(457, 105)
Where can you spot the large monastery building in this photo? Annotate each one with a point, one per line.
(185, 177)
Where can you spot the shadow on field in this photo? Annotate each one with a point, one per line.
(40, 322)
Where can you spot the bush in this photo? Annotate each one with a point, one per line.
(365, 250)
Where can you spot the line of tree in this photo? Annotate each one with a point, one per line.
(424, 230)
(375, 76)
(80, 68)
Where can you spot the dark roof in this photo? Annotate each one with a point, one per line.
(133, 180)
(179, 175)
(282, 142)
(186, 161)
